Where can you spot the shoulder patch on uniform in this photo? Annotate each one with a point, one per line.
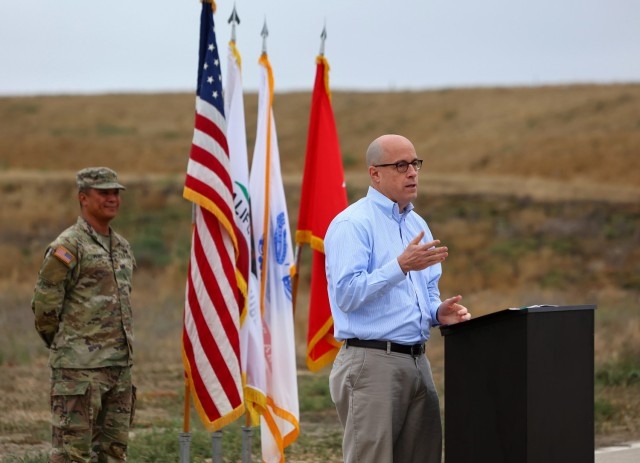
(64, 255)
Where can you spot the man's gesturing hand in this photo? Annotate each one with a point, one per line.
(450, 312)
(418, 256)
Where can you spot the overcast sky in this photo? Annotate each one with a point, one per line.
(80, 46)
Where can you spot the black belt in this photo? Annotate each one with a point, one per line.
(414, 350)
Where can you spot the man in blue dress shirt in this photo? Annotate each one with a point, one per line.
(383, 267)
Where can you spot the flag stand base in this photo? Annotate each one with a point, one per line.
(216, 447)
(247, 434)
(185, 443)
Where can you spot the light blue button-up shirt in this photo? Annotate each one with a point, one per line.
(370, 296)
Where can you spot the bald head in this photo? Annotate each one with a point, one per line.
(386, 145)
(383, 155)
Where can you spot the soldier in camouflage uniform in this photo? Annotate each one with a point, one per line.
(83, 313)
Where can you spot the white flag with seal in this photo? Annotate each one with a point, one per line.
(274, 257)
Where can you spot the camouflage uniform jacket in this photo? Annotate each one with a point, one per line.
(82, 302)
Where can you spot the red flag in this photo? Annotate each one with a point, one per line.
(210, 339)
(323, 196)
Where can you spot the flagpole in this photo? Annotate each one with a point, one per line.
(280, 418)
(187, 406)
(217, 396)
(294, 292)
(185, 436)
(186, 417)
(246, 439)
(323, 37)
(296, 275)
(234, 19)
(265, 230)
(321, 199)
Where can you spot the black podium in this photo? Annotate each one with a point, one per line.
(519, 386)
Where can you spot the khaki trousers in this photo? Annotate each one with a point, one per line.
(388, 406)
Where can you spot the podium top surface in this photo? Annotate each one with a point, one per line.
(513, 312)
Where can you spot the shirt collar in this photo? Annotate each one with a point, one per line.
(387, 206)
(91, 232)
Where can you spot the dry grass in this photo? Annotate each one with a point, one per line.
(536, 191)
(567, 133)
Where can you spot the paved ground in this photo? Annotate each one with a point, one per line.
(628, 453)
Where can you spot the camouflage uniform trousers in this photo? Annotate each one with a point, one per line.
(91, 411)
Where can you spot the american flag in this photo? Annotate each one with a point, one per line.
(210, 338)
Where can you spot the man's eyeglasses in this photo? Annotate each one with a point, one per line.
(403, 166)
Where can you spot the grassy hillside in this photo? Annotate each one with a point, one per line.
(536, 191)
(589, 133)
